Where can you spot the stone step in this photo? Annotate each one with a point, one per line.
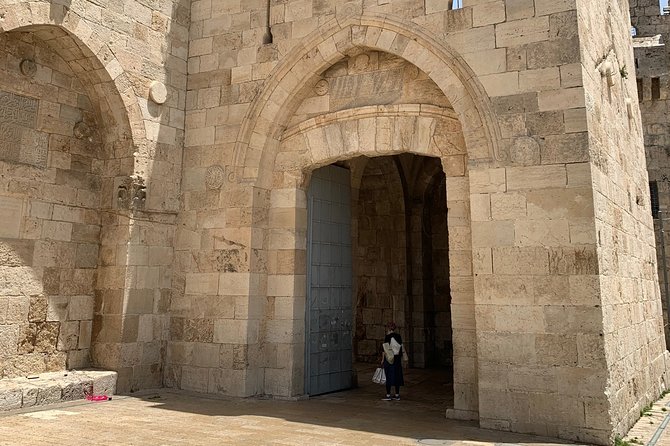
(54, 387)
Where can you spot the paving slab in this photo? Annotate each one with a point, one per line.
(175, 418)
(355, 417)
(653, 428)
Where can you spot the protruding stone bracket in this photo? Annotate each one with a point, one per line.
(131, 193)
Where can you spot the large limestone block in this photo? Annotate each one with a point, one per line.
(536, 177)
(11, 396)
(542, 233)
(11, 212)
(230, 331)
(521, 32)
(517, 261)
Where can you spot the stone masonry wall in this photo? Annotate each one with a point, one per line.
(555, 314)
(646, 17)
(632, 328)
(512, 71)
(653, 74)
(49, 224)
(534, 246)
(380, 267)
(121, 49)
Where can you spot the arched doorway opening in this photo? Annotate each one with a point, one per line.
(371, 101)
(378, 251)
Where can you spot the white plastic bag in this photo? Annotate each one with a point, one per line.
(388, 352)
(379, 376)
(395, 346)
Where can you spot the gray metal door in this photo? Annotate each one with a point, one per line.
(328, 359)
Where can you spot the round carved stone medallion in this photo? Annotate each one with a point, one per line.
(158, 92)
(321, 88)
(412, 72)
(525, 151)
(28, 67)
(214, 177)
(82, 130)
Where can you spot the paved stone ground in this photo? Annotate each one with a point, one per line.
(169, 418)
(356, 417)
(653, 428)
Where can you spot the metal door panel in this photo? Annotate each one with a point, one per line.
(329, 313)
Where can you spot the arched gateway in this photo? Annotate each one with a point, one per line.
(441, 113)
(519, 265)
(200, 198)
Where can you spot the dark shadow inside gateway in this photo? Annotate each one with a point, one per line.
(378, 251)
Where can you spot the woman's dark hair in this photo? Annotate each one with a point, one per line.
(391, 326)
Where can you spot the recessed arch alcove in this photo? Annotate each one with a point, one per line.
(66, 140)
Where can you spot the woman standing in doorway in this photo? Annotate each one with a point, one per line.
(393, 369)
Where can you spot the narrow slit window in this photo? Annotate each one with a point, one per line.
(653, 192)
(655, 88)
(640, 90)
(456, 4)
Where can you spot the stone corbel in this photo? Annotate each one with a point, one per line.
(131, 193)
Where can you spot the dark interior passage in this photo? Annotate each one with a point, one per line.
(400, 266)
(401, 261)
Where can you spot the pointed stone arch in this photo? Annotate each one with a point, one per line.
(266, 120)
(96, 62)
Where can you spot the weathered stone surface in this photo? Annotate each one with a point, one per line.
(50, 388)
(38, 309)
(497, 184)
(21, 143)
(11, 396)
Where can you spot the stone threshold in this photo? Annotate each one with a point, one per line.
(54, 387)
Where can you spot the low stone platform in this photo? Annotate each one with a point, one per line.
(55, 387)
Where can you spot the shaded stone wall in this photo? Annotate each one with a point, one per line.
(131, 57)
(429, 281)
(380, 257)
(646, 17)
(440, 340)
(49, 196)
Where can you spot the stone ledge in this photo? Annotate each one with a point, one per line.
(56, 387)
(460, 414)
